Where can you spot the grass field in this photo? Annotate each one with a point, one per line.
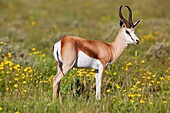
(137, 82)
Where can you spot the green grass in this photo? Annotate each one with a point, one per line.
(137, 82)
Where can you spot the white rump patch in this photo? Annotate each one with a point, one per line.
(57, 47)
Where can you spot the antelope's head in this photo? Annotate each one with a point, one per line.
(128, 27)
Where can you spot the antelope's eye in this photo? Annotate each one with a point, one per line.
(127, 32)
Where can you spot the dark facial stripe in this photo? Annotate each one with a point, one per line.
(129, 35)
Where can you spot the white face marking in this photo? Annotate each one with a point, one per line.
(130, 36)
(84, 60)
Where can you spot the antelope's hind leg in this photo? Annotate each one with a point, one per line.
(56, 85)
(56, 81)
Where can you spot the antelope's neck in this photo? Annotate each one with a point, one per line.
(118, 46)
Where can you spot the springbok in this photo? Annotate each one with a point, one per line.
(72, 51)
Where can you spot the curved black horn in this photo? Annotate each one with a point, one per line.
(121, 16)
(130, 15)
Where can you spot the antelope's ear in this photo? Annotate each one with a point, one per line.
(122, 24)
(136, 23)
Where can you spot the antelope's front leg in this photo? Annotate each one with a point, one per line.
(99, 83)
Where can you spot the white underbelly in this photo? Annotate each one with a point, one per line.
(84, 60)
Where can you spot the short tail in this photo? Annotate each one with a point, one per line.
(60, 63)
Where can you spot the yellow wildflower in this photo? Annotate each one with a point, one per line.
(43, 55)
(126, 69)
(130, 95)
(36, 53)
(25, 90)
(158, 82)
(132, 89)
(16, 79)
(94, 76)
(33, 49)
(80, 112)
(165, 102)
(148, 77)
(143, 84)
(16, 90)
(84, 81)
(134, 86)
(138, 95)
(1, 108)
(150, 103)
(106, 72)
(24, 82)
(33, 23)
(108, 90)
(161, 78)
(134, 78)
(16, 112)
(124, 90)
(153, 76)
(75, 69)
(129, 64)
(30, 71)
(9, 55)
(169, 77)
(16, 67)
(15, 85)
(117, 86)
(138, 82)
(1, 68)
(88, 75)
(132, 101)
(152, 81)
(10, 64)
(10, 68)
(16, 75)
(142, 101)
(148, 36)
(143, 76)
(7, 88)
(142, 61)
(92, 73)
(1, 43)
(23, 75)
(150, 84)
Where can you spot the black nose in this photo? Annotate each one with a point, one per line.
(137, 41)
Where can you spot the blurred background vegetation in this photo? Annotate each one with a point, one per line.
(31, 27)
(40, 23)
